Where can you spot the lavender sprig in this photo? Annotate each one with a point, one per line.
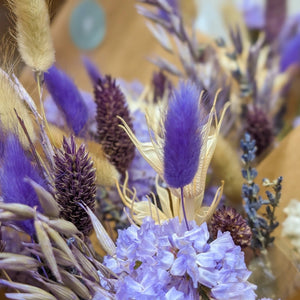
(261, 226)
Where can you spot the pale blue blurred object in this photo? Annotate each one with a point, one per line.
(87, 25)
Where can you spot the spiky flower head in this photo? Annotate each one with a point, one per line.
(228, 219)
(75, 183)
(260, 128)
(111, 103)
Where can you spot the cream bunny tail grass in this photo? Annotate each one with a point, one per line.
(33, 33)
(9, 102)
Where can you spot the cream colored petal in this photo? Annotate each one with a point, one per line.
(143, 209)
(151, 152)
(204, 213)
(169, 203)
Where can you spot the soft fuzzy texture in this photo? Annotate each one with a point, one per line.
(183, 125)
(9, 101)
(290, 54)
(16, 166)
(92, 70)
(68, 98)
(33, 33)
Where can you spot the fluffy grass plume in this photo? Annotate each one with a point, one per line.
(91, 69)
(68, 98)
(10, 100)
(33, 33)
(183, 128)
(15, 167)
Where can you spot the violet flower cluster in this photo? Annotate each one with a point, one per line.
(168, 262)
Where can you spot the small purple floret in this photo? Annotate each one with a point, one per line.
(183, 126)
(67, 97)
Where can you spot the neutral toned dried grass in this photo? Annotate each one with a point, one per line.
(33, 33)
(10, 100)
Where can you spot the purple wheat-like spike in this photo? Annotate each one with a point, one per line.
(111, 103)
(67, 97)
(75, 182)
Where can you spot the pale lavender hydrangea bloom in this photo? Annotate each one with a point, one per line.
(167, 261)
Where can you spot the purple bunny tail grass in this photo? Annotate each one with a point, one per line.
(92, 70)
(68, 98)
(183, 125)
(16, 166)
(290, 54)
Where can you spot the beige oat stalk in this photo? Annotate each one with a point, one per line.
(33, 33)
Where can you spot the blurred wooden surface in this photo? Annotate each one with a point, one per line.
(122, 53)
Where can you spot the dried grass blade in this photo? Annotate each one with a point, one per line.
(63, 227)
(61, 292)
(47, 249)
(61, 244)
(88, 268)
(75, 284)
(27, 289)
(15, 262)
(18, 209)
(9, 216)
(104, 239)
